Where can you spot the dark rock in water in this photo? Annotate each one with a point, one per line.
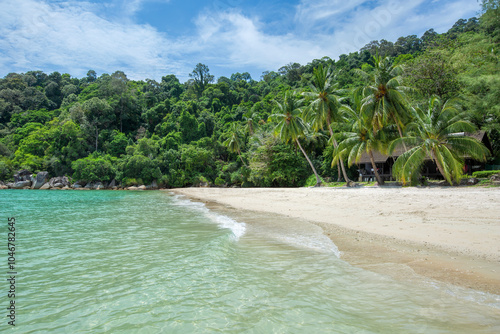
(40, 179)
(59, 182)
(22, 175)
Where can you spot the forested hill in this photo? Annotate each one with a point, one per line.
(219, 130)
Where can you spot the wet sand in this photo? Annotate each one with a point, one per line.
(447, 234)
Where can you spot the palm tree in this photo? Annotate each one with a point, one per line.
(290, 126)
(438, 133)
(361, 139)
(250, 117)
(233, 143)
(325, 105)
(385, 97)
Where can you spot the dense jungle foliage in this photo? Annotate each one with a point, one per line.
(239, 131)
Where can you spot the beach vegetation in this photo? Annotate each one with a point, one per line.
(415, 93)
(437, 132)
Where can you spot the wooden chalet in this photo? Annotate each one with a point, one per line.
(385, 162)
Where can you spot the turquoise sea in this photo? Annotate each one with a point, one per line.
(154, 262)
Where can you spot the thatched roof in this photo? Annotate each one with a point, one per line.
(382, 158)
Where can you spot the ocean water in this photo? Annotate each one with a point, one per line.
(154, 262)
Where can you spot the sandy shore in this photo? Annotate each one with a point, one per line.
(448, 234)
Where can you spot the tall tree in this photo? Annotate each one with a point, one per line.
(290, 125)
(325, 105)
(234, 143)
(98, 115)
(438, 133)
(361, 138)
(385, 98)
(202, 77)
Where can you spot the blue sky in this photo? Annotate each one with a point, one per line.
(153, 38)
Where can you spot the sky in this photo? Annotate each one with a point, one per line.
(148, 39)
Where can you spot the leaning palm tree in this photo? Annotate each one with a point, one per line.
(385, 98)
(325, 105)
(360, 139)
(291, 126)
(233, 143)
(437, 133)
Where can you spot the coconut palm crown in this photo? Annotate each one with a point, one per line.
(437, 133)
(385, 98)
(325, 106)
(361, 139)
(290, 126)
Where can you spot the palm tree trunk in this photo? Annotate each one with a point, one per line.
(318, 181)
(440, 168)
(400, 133)
(96, 137)
(239, 154)
(347, 180)
(375, 171)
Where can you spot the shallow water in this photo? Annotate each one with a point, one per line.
(151, 262)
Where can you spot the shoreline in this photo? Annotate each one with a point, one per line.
(450, 235)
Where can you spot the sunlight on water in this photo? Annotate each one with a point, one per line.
(151, 262)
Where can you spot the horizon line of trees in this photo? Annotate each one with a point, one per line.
(238, 131)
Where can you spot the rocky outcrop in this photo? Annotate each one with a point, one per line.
(112, 184)
(22, 175)
(40, 179)
(153, 185)
(19, 184)
(45, 186)
(59, 182)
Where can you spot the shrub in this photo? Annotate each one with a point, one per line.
(311, 181)
(93, 169)
(485, 173)
(219, 182)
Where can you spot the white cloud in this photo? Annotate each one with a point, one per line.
(38, 35)
(76, 36)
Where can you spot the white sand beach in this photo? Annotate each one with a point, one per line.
(450, 234)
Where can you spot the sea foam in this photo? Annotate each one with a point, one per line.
(237, 228)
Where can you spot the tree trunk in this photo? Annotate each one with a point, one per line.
(96, 137)
(400, 132)
(440, 167)
(341, 162)
(239, 154)
(375, 171)
(318, 181)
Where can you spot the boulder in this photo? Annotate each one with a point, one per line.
(21, 184)
(66, 188)
(472, 181)
(112, 184)
(22, 175)
(76, 185)
(142, 187)
(40, 179)
(132, 188)
(153, 185)
(99, 186)
(3, 186)
(46, 185)
(59, 182)
(495, 177)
